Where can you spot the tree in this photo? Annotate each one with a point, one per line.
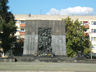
(7, 27)
(76, 41)
(18, 50)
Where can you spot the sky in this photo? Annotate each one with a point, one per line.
(53, 7)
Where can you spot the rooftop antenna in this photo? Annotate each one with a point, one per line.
(29, 15)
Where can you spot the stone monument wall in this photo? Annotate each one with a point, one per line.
(54, 30)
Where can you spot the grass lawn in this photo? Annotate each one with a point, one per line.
(44, 66)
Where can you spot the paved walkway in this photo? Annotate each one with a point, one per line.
(46, 67)
(37, 71)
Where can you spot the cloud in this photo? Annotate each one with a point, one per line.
(78, 10)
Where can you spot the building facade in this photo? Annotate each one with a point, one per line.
(88, 21)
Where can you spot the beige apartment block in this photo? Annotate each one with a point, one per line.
(88, 21)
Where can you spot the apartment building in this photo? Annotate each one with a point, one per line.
(20, 28)
(88, 21)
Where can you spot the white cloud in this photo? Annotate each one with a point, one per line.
(71, 11)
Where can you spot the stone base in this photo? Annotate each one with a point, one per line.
(7, 60)
(30, 58)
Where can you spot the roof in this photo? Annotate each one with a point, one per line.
(52, 17)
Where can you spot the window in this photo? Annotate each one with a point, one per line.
(93, 22)
(93, 30)
(22, 21)
(93, 38)
(22, 29)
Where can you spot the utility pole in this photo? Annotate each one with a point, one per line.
(91, 53)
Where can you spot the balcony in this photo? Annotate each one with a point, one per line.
(86, 34)
(22, 33)
(84, 22)
(22, 25)
(87, 26)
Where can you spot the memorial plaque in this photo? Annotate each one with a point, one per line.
(44, 40)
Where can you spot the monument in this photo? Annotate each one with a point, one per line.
(45, 37)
